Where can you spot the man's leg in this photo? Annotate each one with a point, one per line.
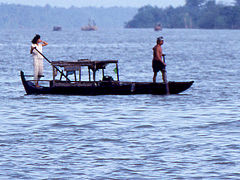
(154, 77)
(164, 76)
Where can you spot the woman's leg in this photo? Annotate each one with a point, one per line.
(40, 68)
(35, 66)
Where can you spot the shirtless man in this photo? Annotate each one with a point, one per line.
(157, 63)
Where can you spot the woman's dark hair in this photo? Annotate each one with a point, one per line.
(34, 40)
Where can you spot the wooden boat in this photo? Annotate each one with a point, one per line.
(61, 84)
(57, 28)
(90, 27)
(158, 27)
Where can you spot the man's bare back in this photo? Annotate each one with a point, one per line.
(158, 64)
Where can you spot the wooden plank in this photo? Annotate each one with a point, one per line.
(75, 77)
(40, 80)
(102, 72)
(89, 74)
(53, 68)
(117, 72)
(33, 75)
(80, 73)
(83, 63)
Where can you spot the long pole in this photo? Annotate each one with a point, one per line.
(165, 77)
(51, 64)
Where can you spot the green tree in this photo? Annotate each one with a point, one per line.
(147, 16)
(195, 14)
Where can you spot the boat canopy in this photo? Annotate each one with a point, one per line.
(73, 66)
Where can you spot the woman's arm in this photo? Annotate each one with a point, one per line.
(44, 43)
(31, 50)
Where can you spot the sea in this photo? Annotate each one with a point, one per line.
(192, 135)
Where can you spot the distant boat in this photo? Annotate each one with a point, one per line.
(57, 28)
(90, 27)
(158, 27)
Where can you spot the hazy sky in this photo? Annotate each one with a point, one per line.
(104, 3)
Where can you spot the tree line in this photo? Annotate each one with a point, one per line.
(21, 16)
(205, 14)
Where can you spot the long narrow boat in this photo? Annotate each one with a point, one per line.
(106, 86)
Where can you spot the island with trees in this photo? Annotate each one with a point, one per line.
(14, 16)
(206, 14)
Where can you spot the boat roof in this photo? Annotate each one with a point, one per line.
(96, 64)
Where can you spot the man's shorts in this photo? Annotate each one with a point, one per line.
(158, 66)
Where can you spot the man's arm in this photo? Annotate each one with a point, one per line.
(159, 55)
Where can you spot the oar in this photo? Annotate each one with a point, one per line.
(165, 77)
(51, 64)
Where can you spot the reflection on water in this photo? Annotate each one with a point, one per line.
(191, 135)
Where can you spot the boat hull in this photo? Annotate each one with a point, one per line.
(106, 88)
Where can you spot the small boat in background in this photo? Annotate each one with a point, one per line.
(158, 27)
(57, 28)
(90, 27)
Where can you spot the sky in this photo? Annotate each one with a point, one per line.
(103, 3)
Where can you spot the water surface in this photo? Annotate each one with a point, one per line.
(194, 135)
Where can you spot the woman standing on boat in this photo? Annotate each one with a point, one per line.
(37, 58)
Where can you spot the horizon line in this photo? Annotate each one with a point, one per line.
(90, 6)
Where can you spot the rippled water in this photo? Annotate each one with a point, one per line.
(194, 135)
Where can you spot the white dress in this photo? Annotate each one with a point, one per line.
(37, 61)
